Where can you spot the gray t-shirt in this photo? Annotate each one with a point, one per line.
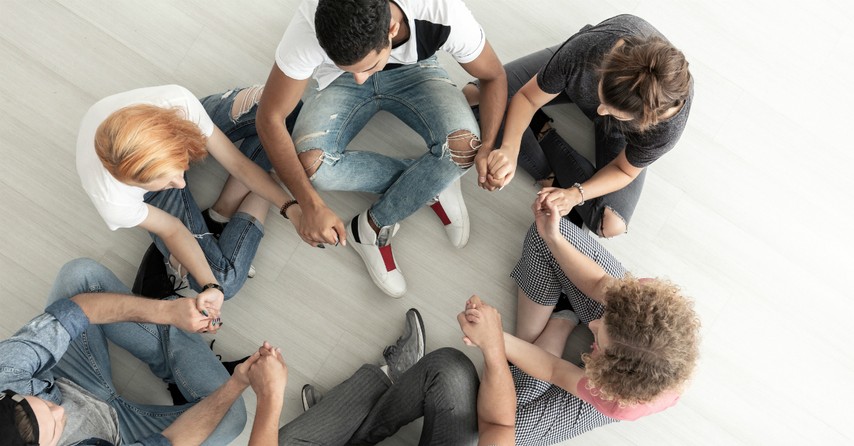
(573, 70)
(87, 416)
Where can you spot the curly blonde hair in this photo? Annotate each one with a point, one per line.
(654, 336)
(140, 143)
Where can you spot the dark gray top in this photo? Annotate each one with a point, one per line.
(573, 70)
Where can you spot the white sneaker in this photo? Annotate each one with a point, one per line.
(375, 250)
(451, 209)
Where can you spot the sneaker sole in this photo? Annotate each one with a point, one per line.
(304, 399)
(420, 321)
(374, 278)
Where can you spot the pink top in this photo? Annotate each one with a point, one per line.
(629, 413)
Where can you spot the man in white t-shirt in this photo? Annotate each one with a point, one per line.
(366, 56)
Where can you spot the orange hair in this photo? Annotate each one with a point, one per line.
(140, 143)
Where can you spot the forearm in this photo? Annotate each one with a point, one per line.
(108, 308)
(196, 424)
(608, 179)
(581, 270)
(261, 183)
(265, 428)
(189, 254)
(496, 398)
(519, 115)
(282, 154)
(493, 102)
(531, 359)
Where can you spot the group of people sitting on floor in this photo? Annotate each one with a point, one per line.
(338, 64)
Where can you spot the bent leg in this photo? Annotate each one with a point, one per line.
(441, 387)
(328, 122)
(339, 414)
(424, 98)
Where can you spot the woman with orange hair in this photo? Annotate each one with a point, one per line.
(632, 84)
(646, 336)
(133, 151)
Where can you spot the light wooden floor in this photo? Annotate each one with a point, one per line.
(749, 212)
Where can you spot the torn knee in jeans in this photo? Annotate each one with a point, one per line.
(311, 160)
(245, 100)
(463, 146)
(612, 224)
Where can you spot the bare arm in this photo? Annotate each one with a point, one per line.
(493, 101)
(108, 308)
(245, 170)
(318, 224)
(614, 176)
(542, 365)
(187, 251)
(496, 398)
(502, 162)
(581, 270)
(268, 378)
(197, 423)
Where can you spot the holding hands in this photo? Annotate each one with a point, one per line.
(319, 225)
(547, 217)
(265, 371)
(209, 304)
(481, 325)
(185, 314)
(495, 168)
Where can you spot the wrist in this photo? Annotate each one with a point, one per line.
(288, 207)
(576, 192)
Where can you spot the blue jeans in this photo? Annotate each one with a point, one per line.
(367, 408)
(231, 255)
(424, 98)
(171, 354)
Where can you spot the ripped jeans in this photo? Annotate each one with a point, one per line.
(424, 98)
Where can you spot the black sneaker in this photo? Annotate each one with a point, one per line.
(151, 280)
(310, 397)
(214, 227)
(409, 348)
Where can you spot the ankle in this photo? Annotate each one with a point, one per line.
(372, 223)
(217, 216)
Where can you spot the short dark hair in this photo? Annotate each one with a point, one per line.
(348, 30)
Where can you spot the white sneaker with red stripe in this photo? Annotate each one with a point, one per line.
(451, 210)
(375, 250)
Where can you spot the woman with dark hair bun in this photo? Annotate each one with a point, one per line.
(626, 78)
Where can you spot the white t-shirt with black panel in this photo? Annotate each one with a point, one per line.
(446, 25)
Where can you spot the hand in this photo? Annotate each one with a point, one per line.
(320, 225)
(502, 167)
(547, 219)
(481, 325)
(209, 304)
(241, 372)
(481, 163)
(187, 317)
(269, 375)
(563, 199)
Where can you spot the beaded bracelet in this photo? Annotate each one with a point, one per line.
(581, 191)
(284, 209)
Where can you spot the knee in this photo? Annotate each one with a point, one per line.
(455, 366)
(463, 146)
(311, 161)
(84, 267)
(612, 224)
(232, 423)
(245, 100)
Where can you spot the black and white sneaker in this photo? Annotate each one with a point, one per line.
(409, 348)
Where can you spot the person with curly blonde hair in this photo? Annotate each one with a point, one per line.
(634, 86)
(133, 151)
(646, 336)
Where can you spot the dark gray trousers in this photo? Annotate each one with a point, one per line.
(368, 407)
